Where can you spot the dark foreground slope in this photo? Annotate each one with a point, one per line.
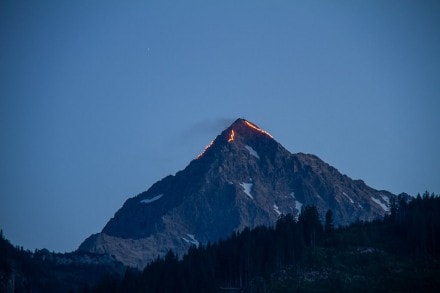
(244, 178)
(398, 254)
(44, 271)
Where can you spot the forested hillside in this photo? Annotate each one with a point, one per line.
(397, 254)
(43, 271)
(400, 253)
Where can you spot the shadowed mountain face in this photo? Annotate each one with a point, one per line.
(244, 178)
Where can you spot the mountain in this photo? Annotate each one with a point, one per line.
(243, 178)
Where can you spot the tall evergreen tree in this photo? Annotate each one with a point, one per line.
(329, 226)
(311, 225)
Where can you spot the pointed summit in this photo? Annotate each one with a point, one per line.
(245, 126)
(240, 131)
(243, 178)
(245, 129)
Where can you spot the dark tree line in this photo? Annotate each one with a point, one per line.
(417, 223)
(400, 253)
(40, 271)
(248, 260)
(234, 263)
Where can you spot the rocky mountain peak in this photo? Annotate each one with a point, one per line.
(243, 178)
(241, 132)
(242, 129)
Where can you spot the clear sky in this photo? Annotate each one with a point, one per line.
(100, 99)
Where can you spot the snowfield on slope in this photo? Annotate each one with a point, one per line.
(252, 151)
(247, 187)
(147, 201)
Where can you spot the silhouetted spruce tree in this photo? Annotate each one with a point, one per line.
(288, 244)
(311, 226)
(329, 226)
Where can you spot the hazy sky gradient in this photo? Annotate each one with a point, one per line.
(100, 99)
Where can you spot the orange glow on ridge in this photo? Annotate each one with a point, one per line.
(257, 128)
(231, 136)
(205, 149)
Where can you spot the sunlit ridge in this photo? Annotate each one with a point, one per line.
(257, 128)
(205, 149)
(231, 136)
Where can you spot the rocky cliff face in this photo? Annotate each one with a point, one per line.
(244, 178)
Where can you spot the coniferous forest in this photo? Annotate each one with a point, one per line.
(400, 253)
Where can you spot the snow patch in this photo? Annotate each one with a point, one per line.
(192, 239)
(385, 199)
(247, 187)
(147, 201)
(276, 209)
(349, 198)
(381, 204)
(252, 151)
(298, 206)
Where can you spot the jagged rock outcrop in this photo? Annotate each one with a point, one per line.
(244, 178)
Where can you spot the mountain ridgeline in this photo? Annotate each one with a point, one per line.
(243, 178)
(400, 253)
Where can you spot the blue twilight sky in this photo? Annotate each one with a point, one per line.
(100, 99)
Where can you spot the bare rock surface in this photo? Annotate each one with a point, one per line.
(244, 178)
